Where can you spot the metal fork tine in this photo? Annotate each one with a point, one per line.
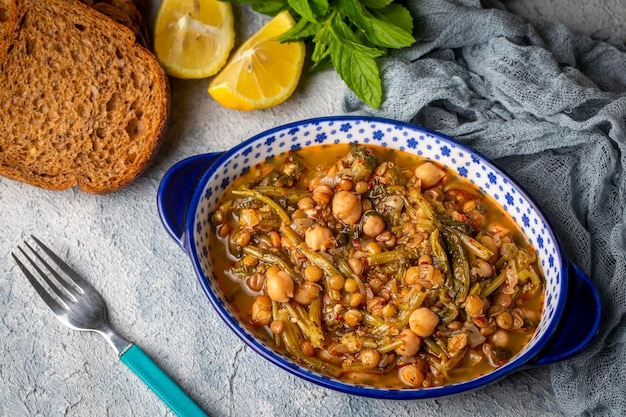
(62, 281)
(51, 302)
(73, 275)
(43, 275)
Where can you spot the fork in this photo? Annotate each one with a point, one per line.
(79, 306)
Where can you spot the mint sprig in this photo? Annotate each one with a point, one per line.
(349, 35)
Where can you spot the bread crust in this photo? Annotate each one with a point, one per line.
(84, 105)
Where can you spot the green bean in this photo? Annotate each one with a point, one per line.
(475, 246)
(455, 359)
(320, 261)
(293, 338)
(320, 365)
(291, 235)
(325, 265)
(461, 227)
(442, 258)
(460, 264)
(391, 346)
(291, 194)
(273, 259)
(291, 334)
(315, 322)
(427, 208)
(246, 192)
(371, 320)
(494, 284)
(358, 367)
(277, 338)
(391, 256)
(233, 247)
(299, 319)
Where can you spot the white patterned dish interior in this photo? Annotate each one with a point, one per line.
(391, 134)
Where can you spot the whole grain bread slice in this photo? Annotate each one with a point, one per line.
(82, 103)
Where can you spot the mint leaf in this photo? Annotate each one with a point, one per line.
(397, 15)
(355, 64)
(379, 32)
(303, 29)
(311, 10)
(376, 4)
(269, 7)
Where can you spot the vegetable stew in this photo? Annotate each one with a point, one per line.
(376, 266)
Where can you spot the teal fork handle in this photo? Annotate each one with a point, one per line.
(160, 383)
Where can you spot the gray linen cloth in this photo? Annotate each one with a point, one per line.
(549, 106)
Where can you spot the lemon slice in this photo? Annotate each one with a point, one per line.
(262, 72)
(192, 38)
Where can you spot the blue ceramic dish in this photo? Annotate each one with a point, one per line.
(191, 189)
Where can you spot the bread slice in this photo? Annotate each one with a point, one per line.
(119, 16)
(81, 104)
(130, 9)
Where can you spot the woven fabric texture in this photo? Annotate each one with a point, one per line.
(548, 105)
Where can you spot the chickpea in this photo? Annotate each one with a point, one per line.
(500, 338)
(361, 187)
(322, 194)
(351, 285)
(503, 299)
(504, 320)
(306, 292)
(345, 184)
(356, 299)
(346, 207)
(313, 273)
(429, 174)
(411, 341)
(389, 310)
(279, 285)
(307, 348)
(373, 248)
(370, 358)
(423, 321)
(277, 326)
(256, 281)
(411, 376)
(275, 238)
(243, 238)
(474, 305)
(412, 275)
(319, 238)
(356, 265)
(261, 311)
(373, 224)
(336, 282)
(352, 317)
(306, 203)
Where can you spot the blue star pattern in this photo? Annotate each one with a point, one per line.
(385, 133)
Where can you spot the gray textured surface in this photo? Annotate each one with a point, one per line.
(153, 297)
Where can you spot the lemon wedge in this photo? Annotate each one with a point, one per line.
(262, 72)
(192, 38)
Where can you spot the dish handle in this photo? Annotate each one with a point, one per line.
(176, 190)
(580, 321)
